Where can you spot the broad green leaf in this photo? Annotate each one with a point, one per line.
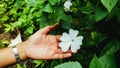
(109, 4)
(56, 16)
(107, 61)
(43, 21)
(66, 18)
(69, 65)
(65, 25)
(48, 8)
(95, 63)
(53, 2)
(31, 2)
(100, 14)
(111, 48)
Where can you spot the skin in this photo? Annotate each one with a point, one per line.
(40, 45)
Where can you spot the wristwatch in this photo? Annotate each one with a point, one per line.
(15, 50)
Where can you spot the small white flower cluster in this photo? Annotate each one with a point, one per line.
(70, 41)
(67, 5)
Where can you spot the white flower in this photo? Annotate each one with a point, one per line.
(70, 41)
(67, 5)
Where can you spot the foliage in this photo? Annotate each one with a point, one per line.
(3, 43)
(69, 65)
(19, 66)
(97, 20)
(103, 62)
(39, 63)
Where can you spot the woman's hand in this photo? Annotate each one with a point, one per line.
(41, 45)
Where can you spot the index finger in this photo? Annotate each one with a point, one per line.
(48, 28)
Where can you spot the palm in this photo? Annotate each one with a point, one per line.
(44, 46)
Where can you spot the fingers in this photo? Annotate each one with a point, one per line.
(48, 28)
(58, 37)
(59, 51)
(65, 55)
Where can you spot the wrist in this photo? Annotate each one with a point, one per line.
(21, 50)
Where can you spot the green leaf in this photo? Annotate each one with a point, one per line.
(56, 16)
(98, 37)
(66, 18)
(100, 13)
(48, 8)
(69, 65)
(31, 2)
(26, 9)
(3, 42)
(87, 9)
(25, 66)
(65, 25)
(8, 27)
(53, 2)
(38, 13)
(43, 21)
(17, 4)
(111, 48)
(109, 4)
(19, 66)
(38, 62)
(107, 61)
(29, 30)
(95, 63)
(16, 24)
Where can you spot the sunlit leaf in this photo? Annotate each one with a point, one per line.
(19, 66)
(107, 61)
(38, 62)
(29, 30)
(109, 4)
(48, 8)
(53, 2)
(69, 65)
(95, 63)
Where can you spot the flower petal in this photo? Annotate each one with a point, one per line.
(74, 47)
(67, 4)
(73, 33)
(65, 46)
(78, 40)
(65, 37)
